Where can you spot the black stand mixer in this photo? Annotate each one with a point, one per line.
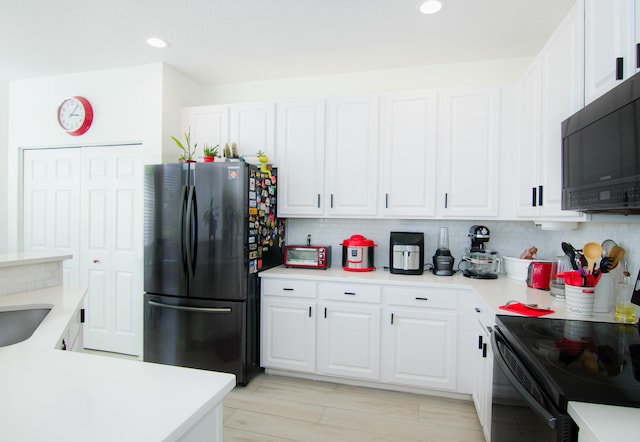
(478, 262)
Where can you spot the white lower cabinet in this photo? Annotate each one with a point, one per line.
(419, 337)
(288, 325)
(73, 337)
(349, 330)
(408, 336)
(483, 369)
(349, 340)
(289, 335)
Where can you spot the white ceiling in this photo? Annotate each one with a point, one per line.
(226, 41)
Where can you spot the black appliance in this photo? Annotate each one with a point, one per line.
(542, 364)
(208, 229)
(478, 262)
(601, 153)
(442, 259)
(406, 253)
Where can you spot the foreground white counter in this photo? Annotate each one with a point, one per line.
(596, 422)
(48, 394)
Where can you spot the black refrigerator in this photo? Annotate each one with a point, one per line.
(209, 228)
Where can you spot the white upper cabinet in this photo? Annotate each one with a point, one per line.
(549, 92)
(408, 155)
(562, 94)
(352, 156)
(208, 125)
(469, 150)
(252, 127)
(610, 45)
(300, 157)
(528, 158)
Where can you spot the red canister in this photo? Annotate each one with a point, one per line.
(357, 254)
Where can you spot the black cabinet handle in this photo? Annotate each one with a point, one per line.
(386, 200)
(82, 315)
(540, 195)
(325, 312)
(637, 55)
(350, 293)
(318, 201)
(484, 350)
(287, 289)
(446, 200)
(534, 196)
(332, 200)
(421, 299)
(479, 342)
(391, 318)
(309, 311)
(619, 68)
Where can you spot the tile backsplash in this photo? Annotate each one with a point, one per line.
(26, 277)
(509, 238)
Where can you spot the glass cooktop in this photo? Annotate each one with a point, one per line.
(574, 360)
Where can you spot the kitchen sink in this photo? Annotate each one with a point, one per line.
(18, 324)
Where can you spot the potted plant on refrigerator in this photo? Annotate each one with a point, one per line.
(187, 152)
(264, 159)
(210, 153)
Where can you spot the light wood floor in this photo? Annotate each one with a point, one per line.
(276, 408)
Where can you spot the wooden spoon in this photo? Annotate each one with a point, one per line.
(616, 255)
(592, 251)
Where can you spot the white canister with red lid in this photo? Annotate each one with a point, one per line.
(357, 254)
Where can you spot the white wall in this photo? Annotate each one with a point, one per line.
(127, 106)
(427, 77)
(178, 91)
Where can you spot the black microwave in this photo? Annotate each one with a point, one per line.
(601, 153)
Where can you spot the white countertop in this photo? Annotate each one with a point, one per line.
(22, 258)
(598, 422)
(49, 394)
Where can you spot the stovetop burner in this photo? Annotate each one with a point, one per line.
(579, 360)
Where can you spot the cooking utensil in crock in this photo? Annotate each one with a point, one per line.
(592, 251)
(531, 306)
(607, 245)
(572, 278)
(570, 251)
(617, 254)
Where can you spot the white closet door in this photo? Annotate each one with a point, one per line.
(111, 247)
(51, 208)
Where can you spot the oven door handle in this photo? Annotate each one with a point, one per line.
(533, 403)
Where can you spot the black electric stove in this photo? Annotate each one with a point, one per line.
(581, 361)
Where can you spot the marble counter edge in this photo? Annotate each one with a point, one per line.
(599, 422)
(20, 259)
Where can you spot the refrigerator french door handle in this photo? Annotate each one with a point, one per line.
(189, 232)
(183, 197)
(191, 309)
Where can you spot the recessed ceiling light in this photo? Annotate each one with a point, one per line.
(157, 42)
(431, 6)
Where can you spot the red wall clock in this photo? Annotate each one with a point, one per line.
(75, 115)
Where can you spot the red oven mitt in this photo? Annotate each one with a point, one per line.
(524, 310)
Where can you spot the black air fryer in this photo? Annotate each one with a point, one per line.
(406, 253)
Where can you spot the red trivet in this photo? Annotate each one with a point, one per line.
(526, 311)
